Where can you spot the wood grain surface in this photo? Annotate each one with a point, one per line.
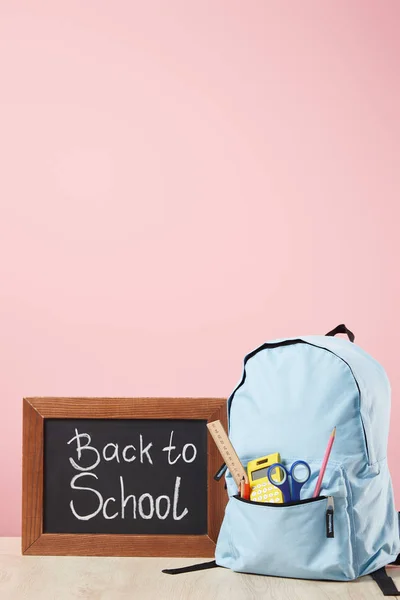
(35, 542)
(104, 544)
(32, 476)
(82, 578)
(126, 408)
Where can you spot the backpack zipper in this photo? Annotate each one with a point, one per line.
(281, 505)
(271, 345)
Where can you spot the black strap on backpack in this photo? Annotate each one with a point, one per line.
(342, 329)
(386, 583)
(199, 567)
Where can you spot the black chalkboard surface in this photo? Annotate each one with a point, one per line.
(125, 476)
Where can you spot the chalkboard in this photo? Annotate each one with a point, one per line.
(125, 476)
(121, 476)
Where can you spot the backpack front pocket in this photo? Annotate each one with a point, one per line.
(287, 540)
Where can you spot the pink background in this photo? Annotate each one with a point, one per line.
(182, 180)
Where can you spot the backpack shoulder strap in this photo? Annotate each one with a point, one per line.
(199, 567)
(386, 583)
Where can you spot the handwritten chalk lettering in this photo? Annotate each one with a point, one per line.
(79, 449)
(176, 500)
(158, 509)
(131, 506)
(113, 455)
(185, 447)
(147, 508)
(105, 515)
(145, 451)
(169, 450)
(86, 489)
(151, 506)
(124, 501)
(125, 452)
(109, 453)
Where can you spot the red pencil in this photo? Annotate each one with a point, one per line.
(244, 489)
(324, 463)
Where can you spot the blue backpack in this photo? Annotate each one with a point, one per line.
(292, 393)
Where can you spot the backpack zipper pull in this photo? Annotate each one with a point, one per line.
(330, 509)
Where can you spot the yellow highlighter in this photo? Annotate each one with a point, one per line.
(261, 488)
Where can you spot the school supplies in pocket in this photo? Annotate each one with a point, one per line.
(324, 463)
(244, 491)
(228, 452)
(262, 489)
(289, 481)
(255, 537)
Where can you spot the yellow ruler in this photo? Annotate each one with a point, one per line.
(227, 451)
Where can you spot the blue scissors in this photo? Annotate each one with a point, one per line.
(299, 472)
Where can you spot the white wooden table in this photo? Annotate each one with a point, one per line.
(67, 578)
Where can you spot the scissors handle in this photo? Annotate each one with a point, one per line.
(274, 477)
(300, 473)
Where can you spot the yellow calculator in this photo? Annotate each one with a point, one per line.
(261, 488)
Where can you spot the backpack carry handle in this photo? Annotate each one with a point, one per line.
(342, 329)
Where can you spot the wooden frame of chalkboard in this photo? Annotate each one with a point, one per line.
(35, 540)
